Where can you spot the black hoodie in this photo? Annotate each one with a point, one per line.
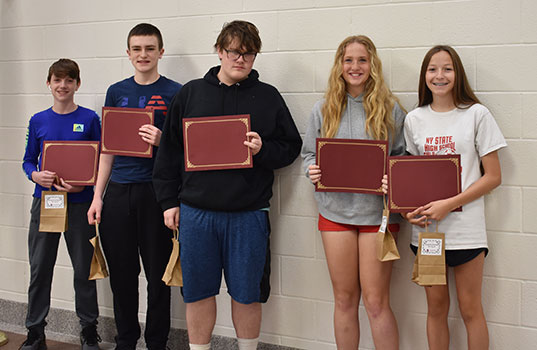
(225, 190)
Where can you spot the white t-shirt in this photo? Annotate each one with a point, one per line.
(472, 133)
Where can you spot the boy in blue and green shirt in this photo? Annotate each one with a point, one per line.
(65, 120)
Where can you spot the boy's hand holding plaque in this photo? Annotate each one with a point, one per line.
(120, 131)
(75, 162)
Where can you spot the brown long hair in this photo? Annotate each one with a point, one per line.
(378, 99)
(463, 96)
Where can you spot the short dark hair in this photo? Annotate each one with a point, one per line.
(64, 67)
(145, 29)
(245, 32)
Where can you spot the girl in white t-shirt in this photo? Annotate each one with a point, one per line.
(450, 119)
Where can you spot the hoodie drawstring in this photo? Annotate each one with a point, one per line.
(236, 97)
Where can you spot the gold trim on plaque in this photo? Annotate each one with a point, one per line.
(189, 123)
(392, 162)
(92, 144)
(150, 114)
(357, 143)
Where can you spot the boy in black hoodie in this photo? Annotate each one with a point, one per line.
(222, 215)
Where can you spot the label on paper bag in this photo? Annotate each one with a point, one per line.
(431, 246)
(384, 224)
(54, 201)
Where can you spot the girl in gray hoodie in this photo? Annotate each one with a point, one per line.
(357, 105)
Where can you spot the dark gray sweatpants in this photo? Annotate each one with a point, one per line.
(43, 249)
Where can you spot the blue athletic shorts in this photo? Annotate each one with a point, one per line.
(235, 242)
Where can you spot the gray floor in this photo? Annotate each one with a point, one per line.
(63, 326)
(59, 337)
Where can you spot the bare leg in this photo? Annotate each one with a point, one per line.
(341, 249)
(437, 317)
(375, 281)
(246, 319)
(468, 279)
(200, 320)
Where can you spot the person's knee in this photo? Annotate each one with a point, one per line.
(375, 303)
(438, 307)
(346, 300)
(250, 309)
(81, 280)
(80, 275)
(470, 309)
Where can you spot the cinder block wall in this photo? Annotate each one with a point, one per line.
(496, 39)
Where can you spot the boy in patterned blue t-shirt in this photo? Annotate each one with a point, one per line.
(131, 223)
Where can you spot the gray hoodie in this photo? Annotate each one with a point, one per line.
(351, 208)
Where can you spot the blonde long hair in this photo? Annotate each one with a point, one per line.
(378, 100)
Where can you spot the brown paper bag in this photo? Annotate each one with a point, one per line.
(53, 216)
(98, 268)
(414, 277)
(386, 245)
(431, 259)
(173, 276)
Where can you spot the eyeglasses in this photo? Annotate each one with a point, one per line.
(234, 55)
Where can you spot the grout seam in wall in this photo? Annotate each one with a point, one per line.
(237, 13)
(283, 52)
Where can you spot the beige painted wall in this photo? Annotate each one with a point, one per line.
(496, 39)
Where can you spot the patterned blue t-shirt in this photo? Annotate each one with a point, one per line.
(128, 93)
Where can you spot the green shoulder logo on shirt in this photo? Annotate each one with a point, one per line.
(78, 127)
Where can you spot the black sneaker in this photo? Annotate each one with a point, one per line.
(34, 341)
(89, 338)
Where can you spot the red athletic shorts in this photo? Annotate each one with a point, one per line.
(327, 225)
